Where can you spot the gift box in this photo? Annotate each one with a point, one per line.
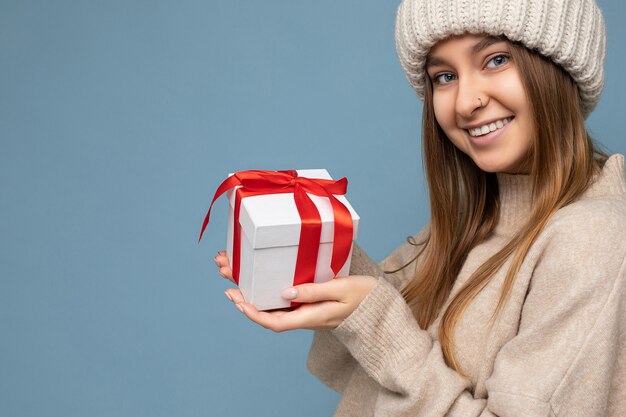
(287, 228)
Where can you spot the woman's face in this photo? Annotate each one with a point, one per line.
(480, 102)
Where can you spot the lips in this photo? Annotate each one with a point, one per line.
(489, 127)
(488, 138)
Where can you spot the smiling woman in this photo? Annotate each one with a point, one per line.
(510, 301)
(503, 109)
(480, 102)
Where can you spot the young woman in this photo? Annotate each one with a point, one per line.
(512, 300)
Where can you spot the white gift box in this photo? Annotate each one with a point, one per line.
(270, 233)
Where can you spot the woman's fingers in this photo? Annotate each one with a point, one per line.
(308, 316)
(234, 295)
(221, 260)
(305, 316)
(333, 290)
(325, 305)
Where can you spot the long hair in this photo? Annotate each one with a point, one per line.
(465, 204)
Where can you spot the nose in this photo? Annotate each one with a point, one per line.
(471, 97)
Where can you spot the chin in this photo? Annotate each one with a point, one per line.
(494, 167)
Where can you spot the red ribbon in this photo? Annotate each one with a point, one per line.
(256, 182)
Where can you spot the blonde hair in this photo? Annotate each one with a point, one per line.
(563, 158)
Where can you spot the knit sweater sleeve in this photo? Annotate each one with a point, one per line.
(329, 359)
(564, 360)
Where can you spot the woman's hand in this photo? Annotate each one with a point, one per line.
(325, 306)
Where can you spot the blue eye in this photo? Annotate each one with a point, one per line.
(444, 78)
(498, 61)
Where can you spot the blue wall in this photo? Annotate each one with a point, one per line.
(118, 119)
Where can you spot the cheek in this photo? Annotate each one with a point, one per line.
(443, 112)
(518, 102)
(515, 94)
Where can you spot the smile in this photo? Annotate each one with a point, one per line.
(485, 129)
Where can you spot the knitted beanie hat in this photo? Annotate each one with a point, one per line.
(569, 32)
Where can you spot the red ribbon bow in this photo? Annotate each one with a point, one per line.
(257, 182)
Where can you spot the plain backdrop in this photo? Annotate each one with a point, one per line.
(118, 120)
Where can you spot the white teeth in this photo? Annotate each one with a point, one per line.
(483, 130)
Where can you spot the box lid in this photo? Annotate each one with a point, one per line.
(273, 220)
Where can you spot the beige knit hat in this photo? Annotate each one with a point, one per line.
(569, 32)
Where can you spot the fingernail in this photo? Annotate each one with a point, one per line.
(239, 307)
(228, 296)
(289, 293)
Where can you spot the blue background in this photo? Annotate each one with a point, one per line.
(118, 120)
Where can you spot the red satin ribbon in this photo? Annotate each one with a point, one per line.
(256, 182)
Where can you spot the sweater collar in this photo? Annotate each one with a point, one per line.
(516, 193)
(611, 180)
(515, 202)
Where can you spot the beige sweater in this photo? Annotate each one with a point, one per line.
(557, 349)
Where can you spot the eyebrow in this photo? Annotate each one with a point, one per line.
(484, 43)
